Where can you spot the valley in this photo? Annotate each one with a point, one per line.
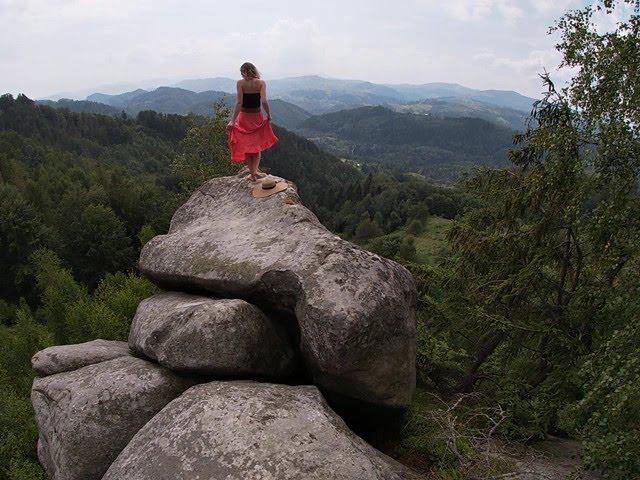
(448, 129)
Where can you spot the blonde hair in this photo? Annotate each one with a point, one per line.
(249, 70)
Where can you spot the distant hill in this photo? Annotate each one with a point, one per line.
(162, 99)
(181, 101)
(500, 98)
(410, 92)
(458, 107)
(221, 84)
(119, 100)
(505, 99)
(437, 147)
(311, 92)
(287, 114)
(175, 100)
(82, 106)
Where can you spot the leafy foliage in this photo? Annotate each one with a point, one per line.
(540, 289)
(81, 193)
(204, 152)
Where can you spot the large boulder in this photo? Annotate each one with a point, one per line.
(63, 358)
(246, 430)
(355, 309)
(86, 417)
(222, 337)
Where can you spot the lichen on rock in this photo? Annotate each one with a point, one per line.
(241, 430)
(355, 309)
(211, 336)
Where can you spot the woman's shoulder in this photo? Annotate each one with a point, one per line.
(250, 83)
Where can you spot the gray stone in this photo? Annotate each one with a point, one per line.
(355, 309)
(86, 417)
(246, 430)
(63, 358)
(223, 337)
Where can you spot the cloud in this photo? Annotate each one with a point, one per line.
(475, 10)
(607, 22)
(535, 60)
(552, 6)
(74, 10)
(529, 66)
(66, 45)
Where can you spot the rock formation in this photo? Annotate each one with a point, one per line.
(86, 417)
(223, 337)
(247, 430)
(263, 292)
(63, 358)
(355, 309)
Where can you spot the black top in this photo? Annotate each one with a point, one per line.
(251, 100)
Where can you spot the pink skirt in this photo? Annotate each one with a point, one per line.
(251, 133)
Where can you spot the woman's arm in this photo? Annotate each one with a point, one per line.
(238, 105)
(265, 102)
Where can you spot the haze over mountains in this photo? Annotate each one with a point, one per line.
(435, 129)
(296, 98)
(312, 92)
(179, 100)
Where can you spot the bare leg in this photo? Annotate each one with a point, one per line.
(252, 164)
(257, 166)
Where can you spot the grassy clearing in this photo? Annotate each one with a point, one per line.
(431, 243)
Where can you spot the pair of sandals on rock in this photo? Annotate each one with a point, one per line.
(253, 178)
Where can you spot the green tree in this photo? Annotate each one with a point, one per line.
(386, 245)
(145, 234)
(21, 231)
(367, 229)
(18, 434)
(97, 242)
(407, 249)
(416, 227)
(205, 152)
(538, 269)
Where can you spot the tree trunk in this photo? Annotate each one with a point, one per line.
(488, 344)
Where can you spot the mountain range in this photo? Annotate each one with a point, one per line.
(461, 107)
(297, 98)
(433, 129)
(317, 94)
(173, 100)
(321, 94)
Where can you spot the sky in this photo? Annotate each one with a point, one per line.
(52, 46)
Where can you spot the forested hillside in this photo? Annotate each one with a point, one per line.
(451, 107)
(437, 147)
(80, 193)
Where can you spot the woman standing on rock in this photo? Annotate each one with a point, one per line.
(248, 131)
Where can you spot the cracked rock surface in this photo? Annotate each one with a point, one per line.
(246, 430)
(63, 358)
(87, 416)
(355, 310)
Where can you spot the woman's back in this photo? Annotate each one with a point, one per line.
(251, 89)
(253, 85)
